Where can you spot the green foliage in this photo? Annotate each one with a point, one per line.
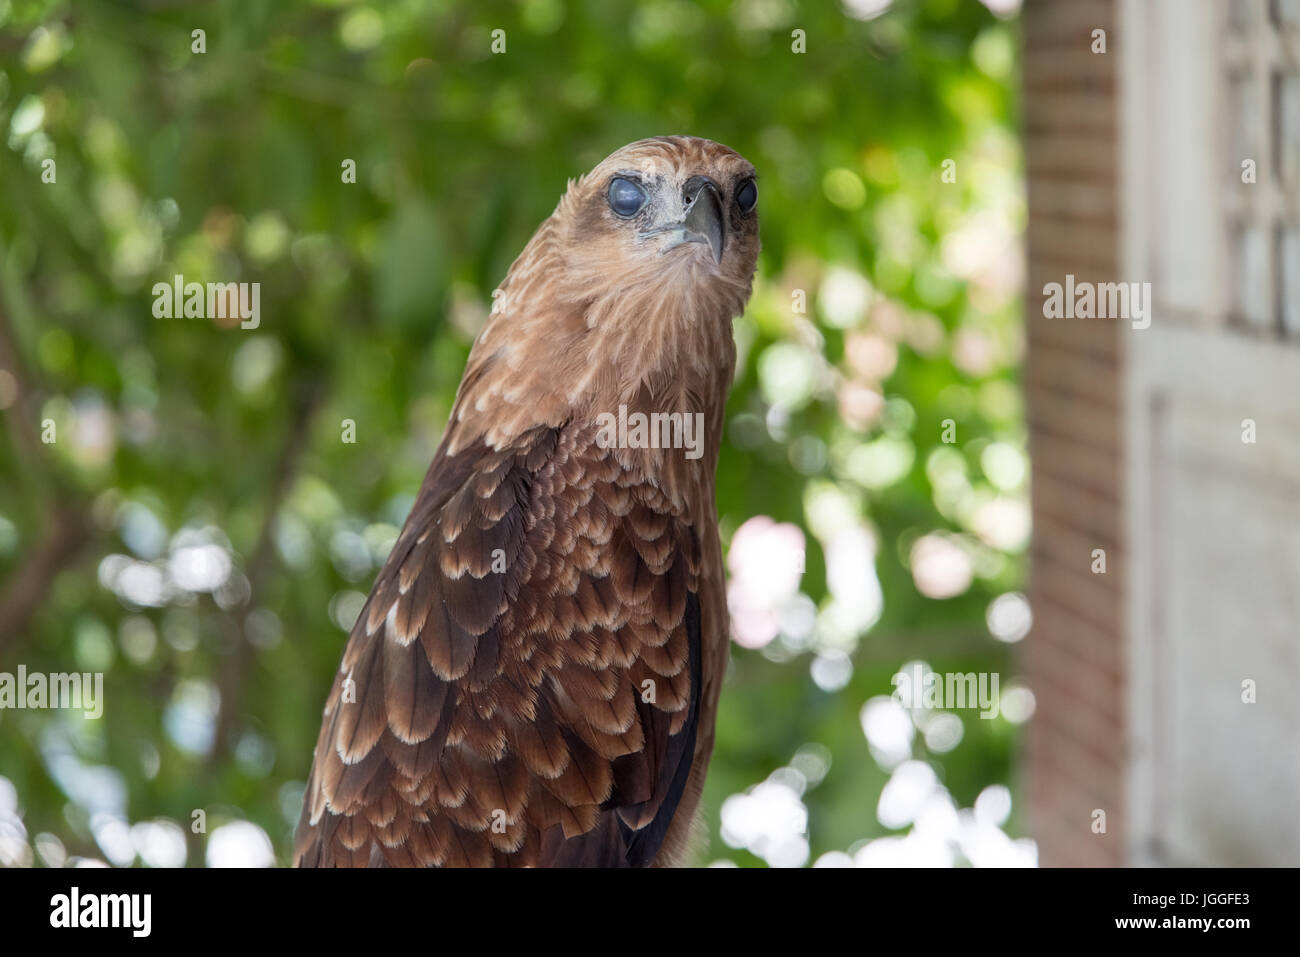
(228, 165)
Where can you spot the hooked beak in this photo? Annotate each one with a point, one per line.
(703, 222)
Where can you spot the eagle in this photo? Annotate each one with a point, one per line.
(534, 678)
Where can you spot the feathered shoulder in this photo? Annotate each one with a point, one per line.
(522, 686)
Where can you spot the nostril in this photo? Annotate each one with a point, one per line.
(691, 189)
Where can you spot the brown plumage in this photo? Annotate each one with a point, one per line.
(534, 678)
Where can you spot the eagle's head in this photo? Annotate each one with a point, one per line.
(625, 294)
(674, 209)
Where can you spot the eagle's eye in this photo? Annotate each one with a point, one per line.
(625, 197)
(747, 195)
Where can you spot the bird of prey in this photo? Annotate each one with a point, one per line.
(534, 678)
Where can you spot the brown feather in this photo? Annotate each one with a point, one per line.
(557, 709)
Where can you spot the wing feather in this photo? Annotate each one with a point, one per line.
(523, 685)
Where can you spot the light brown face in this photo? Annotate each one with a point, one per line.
(664, 207)
(632, 282)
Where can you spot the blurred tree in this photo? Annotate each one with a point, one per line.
(196, 509)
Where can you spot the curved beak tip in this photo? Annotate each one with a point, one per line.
(704, 222)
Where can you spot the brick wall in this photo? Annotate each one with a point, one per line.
(1075, 751)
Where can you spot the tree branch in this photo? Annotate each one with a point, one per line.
(67, 523)
(69, 531)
